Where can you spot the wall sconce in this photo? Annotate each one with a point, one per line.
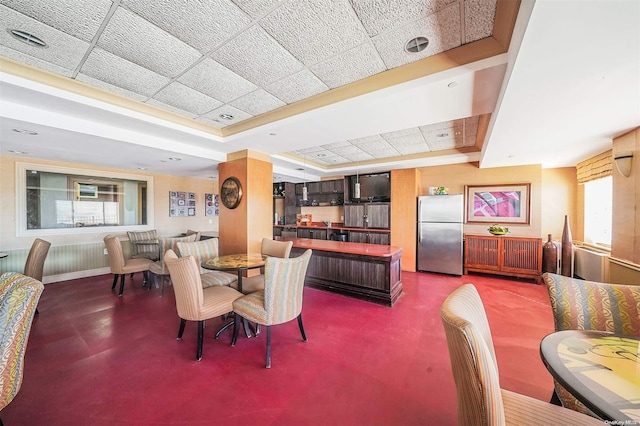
(623, 162)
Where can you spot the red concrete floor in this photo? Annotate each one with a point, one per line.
(96, 359)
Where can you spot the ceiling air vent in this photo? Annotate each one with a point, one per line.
(416, 45)
(28, 38)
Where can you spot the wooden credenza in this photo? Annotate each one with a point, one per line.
(513, 256)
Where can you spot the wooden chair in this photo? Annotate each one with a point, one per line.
(591, 305)
(194, 303)
(281, 249)
(34, 265)
(281, 299)
(481, 401)
(121, 266)
(19, 295)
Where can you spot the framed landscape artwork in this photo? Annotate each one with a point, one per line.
(508, 203)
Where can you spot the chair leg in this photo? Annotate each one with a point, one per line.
(268, 362)
(235, 329)
(115, 281)
(304, 336)
(121, 285)
(162, 278)
(555, 400)
(181, 329)
(145, 277)
(200, 338)
(37, 313)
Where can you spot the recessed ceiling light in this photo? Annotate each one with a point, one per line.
(452, 84)
(28, 38)
(416, 45)
(13, 151)
(226, 116)
(442, 135)
(300, 169)
(272, 134)
(322, 155)
(25, 132)
(175, 158)
(142, 168)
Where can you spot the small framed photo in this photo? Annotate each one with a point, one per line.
(509, 203)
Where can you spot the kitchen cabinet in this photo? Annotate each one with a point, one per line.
(318, 234)
(382, 238)
(501, 255)
(291, 209)
(367, 215)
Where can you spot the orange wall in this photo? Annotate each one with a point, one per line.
(405, 187)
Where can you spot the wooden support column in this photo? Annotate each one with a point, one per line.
(405, 188)
(242, 229)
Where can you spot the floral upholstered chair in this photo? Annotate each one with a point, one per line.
(19, 295)
(481, 401)
(590, 305)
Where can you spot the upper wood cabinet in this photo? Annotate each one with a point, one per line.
(367, 215)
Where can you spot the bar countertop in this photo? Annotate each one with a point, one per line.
(374, 250)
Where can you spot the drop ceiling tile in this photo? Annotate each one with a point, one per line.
(344, 150)
(407, 139)
(212, 122)
(374, 146)
(34, 62)
(320, 155)
(379, 16)
(478, 19)
(179, 111)
(307, 151)
(366, 139)
(358, 157)
(201, 24)
(471, 125)
(469, 140)
(62, 49)
(110, 87)
(413, 149)
(448, 133)
(401, 133)
(332, 160)
(384, 153)
(185, 98)
(441, 144)
(262, 61)
(78, 20)
(315, 30)
(217, 81)
(258, 102)
(293, 88)
(256, 8)
(237, 114)
(442, 29)
(444, 125)
(354, 64)
(112, 69)
(333, 145)
(138, 41)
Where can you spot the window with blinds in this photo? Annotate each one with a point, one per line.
(595, 167)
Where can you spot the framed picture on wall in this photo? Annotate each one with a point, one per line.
(211, 205)
(509, 203)
(182, 203)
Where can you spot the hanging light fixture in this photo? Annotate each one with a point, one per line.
(304, 185)
(356, 187)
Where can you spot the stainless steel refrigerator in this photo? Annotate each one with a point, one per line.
(440, 233)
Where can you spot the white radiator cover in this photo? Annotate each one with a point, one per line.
(591, 265)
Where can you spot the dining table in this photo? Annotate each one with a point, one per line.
(240, 263)
(600, 369)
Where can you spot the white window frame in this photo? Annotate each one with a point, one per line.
(21, 201)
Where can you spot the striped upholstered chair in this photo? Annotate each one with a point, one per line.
(120, 266)
(481, 401)
(281, 299)
(201, 251)
(147, 251)
(194, 303)
(590, 305)
(272, 248)
(158, 268)
(19, 295)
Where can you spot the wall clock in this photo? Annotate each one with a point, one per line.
(231, 192)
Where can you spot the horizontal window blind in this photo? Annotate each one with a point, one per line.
(595, 167)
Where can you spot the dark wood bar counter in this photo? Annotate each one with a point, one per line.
(369, 272)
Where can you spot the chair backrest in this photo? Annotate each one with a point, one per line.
(276, 248)
(169, 243)
(19, 295)
(590, 305)
(473, 360)
(116, 256)
(200, 250)
(34, 265)
(283, 287)
(191, 232)
(187, 285)
(137, 249)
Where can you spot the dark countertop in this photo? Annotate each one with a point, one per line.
(337, 226)
(375, 250)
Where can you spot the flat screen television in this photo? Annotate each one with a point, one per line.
(373, 187)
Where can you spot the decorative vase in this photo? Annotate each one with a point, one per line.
(567, 249)
(550, 257)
